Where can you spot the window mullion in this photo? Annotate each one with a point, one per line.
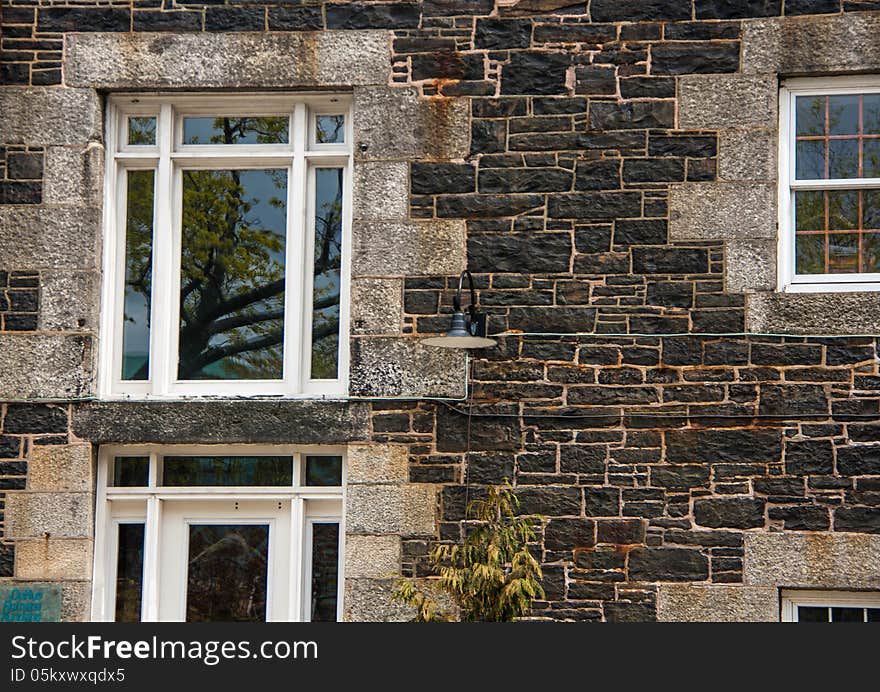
(162, 358)
(295, 294)
(297, 554)
(150, 599)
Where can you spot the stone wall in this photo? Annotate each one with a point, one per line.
(607, 169)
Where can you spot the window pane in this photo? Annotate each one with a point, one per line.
(190, 471)
(138, 276)
(810, 254)
(131, 472)
(213, 130)
(873, 614)
(843, 115)
(871, 158)
(810, 210)
(232, 275)
(327, 274)
(871, 209)
(142, 130)
(812, 614)
(843, 158)
(871, 114)
(129, 572)
(847, 615)
(227, 575)
(843, 209)
(323, 471)
(810, 160)
(843, 253)
(330, 129)
(871, 253)
(325, 571)
(810, 115)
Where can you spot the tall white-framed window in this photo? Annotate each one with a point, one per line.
(214, 533)
(829, 184)
(227, 242)
(830, 606)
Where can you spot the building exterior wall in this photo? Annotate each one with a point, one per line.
(693, 440)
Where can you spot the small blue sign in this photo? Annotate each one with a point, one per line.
(30, 603)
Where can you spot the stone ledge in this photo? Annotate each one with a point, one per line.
(223, 422)
(716, 603)
(813, 313)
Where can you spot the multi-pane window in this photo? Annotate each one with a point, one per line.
(226, 251)
(830, 606)
(830, 197)
(201, 534)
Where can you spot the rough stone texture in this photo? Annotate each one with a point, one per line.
(376, 306)
(408, 248)
(819, 560)
(726, 101)
(53, 559)
(69, 301)
(61, 515)
(384, 367)
(403, 510)
(818, 45)
(74, 176)
(45, 116)
(226, 60)
(38, 237)
(813, 313)
(381, 191)
(372, 557)
(717, 603)
(750, 265)
(294, 422)
(707, 211)
(60, 467)
(46, 366)
(747, 154)
(395, 124)
(377, 464)
(76, 601)
(369, 600)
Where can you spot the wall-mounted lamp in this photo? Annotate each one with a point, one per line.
(468, 330)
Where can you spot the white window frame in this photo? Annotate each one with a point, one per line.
(826, 599)
(788, 280)
(308, 504)
(300, 157)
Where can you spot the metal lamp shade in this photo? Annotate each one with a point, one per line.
(459, 336)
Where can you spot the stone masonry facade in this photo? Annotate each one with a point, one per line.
(690, 440)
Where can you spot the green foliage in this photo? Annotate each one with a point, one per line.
(492, 576)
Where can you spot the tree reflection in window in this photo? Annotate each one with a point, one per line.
(327, 273)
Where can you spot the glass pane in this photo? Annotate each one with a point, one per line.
(810, 115)
(330, 129)
(871, 158)
(847, 615)
(810, 254)
(871, 209)
(129, 572)
(142, 131)
(843, 209)
(812, 614)
(232, 275)
(323, 470)
(325, 571)
(871, 253)
(227, 573)
(138, 276)
(810, 210)
(871, 114)
(131, 472)
(843, 253)
(190, 471)
(843, 158)
(843, 115)
(327, 275)
(810, 160)
(873, 614)
(213, 130)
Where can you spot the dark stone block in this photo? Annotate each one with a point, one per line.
(651, 324)
(583, 459)
(601, 502)
(609, 396)
(600, 559)
(620, 531)
(632, 115)
(647, 87)
(506, 107)
(702, 31)
(681, 477)
(447, 65)
(387, 16)
(695, 58)
(18, 15)
(593, 79)
(34, 418)
(519, 252)
(506, 180)
(503, 34)
(780, 486)
(535, 73)
(718, 321)
(757, 445)
(23, 300)
(489, 468)
(797, 7)
(729, 512)
(599, 206)
(433, 178)
(20, 323)
(420, 302)
(858, 460)
(10, 447)
(569, 534)
(475, 206)
(671, 294)
(61, 19)
(668, 564)
(620, 611)
(693, 146)
(235, 19)
(788, 354)
(575, 33)
(559, 320)
(14, 192)
(600, 174)
(7, 559)
(486, 433)
(488, 136)
(13, 468)
(858, 519)
(802, 518)
(737, 9)
(24, 166)
(592, 239)
(549, 501)
(586, 591)
(793, 400)
(451, 8)
(665, 170)
(420, 44)
(14, 72)
(306, 18)
(846, 355)
(553, 582)
(640, 10)
(155, 20)
(670, 260)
